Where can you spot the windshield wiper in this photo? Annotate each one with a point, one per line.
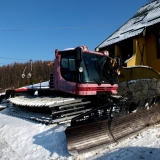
(98, 81)
(86, 65)
(110, 79)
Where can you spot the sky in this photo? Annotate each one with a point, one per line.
(33, 29)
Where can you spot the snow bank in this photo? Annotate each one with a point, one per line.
(31, 140)
(21, 139)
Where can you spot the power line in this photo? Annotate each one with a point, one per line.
(15, 59)
(57, 28)
(19, 59)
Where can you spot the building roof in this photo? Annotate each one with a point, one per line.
(146, 16)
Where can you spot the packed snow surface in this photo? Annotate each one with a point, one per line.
(21, 139)
(38, 85)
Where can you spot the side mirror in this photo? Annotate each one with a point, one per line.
(119, 60)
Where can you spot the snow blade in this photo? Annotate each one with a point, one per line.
(87, 136)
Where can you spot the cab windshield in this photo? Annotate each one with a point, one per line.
(97, 68)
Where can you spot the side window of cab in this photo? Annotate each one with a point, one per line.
(68, 68)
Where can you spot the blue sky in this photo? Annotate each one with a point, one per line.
(33, 29)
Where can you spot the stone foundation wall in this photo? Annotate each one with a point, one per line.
(140, 87)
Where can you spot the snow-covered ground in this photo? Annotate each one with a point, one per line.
(21, 139)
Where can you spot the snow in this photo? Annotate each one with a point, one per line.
(31, 141)
(38, 85)
(137, 66)
(21, 139)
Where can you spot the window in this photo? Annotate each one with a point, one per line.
(97, 69)
(158, 47)
(68, 68)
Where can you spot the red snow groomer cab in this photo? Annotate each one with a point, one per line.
(82, 72)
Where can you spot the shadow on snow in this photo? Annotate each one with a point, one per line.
(54, 140)
(130, 153)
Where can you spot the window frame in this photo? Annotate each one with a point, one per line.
(69, 74)
(158, 46)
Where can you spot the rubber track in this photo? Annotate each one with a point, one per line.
(22, 112)
(87, 136)
(18, 108)
(25, 114)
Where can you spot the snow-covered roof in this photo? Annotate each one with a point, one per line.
(146, 16)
